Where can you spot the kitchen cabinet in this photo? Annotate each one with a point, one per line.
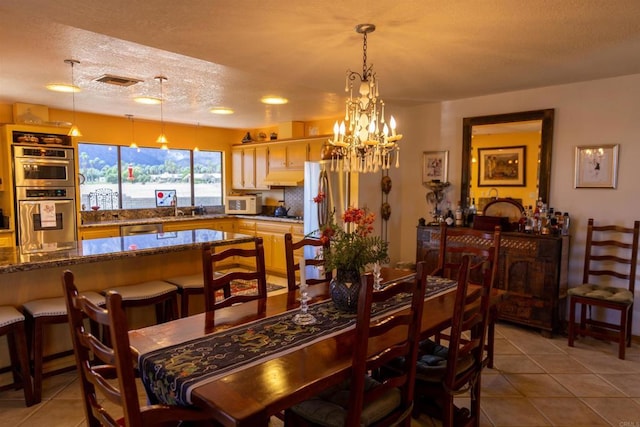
(315, 149)
(99, 232)
(189, 224)
(249, 168)
(7, 240)
(288, 155)
(272, 233)
(532, 269)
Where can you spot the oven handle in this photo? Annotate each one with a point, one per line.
(37, 201)
(24, 160)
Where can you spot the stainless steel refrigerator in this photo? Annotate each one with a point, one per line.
(340, 190)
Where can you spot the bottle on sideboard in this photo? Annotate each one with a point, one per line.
(458, 216)
(471, 212)
(565, 224)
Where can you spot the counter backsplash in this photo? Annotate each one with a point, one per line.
(129, 214)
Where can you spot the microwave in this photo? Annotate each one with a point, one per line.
(43, 166)
(244, 205)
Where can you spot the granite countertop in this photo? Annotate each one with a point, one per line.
(110, 248)
(164, 219)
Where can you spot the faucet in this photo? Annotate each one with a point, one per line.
(176, 211)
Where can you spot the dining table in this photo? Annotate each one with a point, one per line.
(248, 394)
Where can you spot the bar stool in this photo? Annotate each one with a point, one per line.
(48, 311)
(12, 325)
(188, 285)
(158, 293)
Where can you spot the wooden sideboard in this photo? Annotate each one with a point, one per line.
(532, 269)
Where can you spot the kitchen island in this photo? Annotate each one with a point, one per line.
(98, 264)
(105, 262)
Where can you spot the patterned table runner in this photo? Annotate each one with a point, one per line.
(170, 374)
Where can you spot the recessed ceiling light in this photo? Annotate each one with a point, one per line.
(221, 110)
(274, 100)
(62, 87)
(149, 100)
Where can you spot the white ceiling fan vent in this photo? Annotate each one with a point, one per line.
(117, 80)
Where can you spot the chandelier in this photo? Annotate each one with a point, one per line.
(368, 143)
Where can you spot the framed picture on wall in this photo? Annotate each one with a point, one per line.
(502, 166)
(596, 166)
(435, 166)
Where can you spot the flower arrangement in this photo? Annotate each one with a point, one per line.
(352, 247)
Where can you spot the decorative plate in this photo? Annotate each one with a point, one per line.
(509, 208)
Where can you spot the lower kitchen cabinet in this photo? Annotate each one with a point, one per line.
(532, 269)
(272, 233)
(7, 240)
(99, 232)
(190, 224)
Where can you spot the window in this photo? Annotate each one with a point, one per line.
(207, 178)
(117, 176)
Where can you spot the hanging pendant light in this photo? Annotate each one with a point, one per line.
(367, 143)
(162, 138)
(133, 132)
(74, 131)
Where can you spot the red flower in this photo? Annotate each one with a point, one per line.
(319, 198)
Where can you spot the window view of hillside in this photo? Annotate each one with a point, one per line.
(122, 177)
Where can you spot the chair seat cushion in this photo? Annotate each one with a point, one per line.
(608, 293)
(144, 290)
(329, 408)
(57, 306)
(193, 281)
(9, 315)
(432, 363)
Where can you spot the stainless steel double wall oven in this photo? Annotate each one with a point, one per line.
(44, 179)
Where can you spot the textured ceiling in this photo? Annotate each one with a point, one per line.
(231, 53)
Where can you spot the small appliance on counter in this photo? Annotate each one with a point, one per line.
(250, 204)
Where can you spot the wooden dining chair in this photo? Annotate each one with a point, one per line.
(483, 248)
(290, 248)
(215, 281)
(107, 372)
(444, 373)
(608, 283)
(363, 400)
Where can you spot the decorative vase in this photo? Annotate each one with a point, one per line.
(344, 289)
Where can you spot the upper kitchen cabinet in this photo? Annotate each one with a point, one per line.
(315, 148)
(249, 168)
(288, 155)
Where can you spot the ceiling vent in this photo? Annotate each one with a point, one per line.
(117, 80)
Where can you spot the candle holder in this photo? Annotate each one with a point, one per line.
(377, 277)
(304, 317)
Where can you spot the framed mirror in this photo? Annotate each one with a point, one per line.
(501, 139)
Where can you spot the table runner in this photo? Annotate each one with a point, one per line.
(170, 374)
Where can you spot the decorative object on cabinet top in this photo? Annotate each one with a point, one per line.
(509, 208)
(20, 137)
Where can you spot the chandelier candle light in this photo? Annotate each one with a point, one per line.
(370, 142)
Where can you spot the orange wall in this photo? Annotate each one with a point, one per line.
(531, 140)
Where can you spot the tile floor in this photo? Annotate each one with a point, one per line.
(536, 382)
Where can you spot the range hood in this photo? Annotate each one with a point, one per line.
(285, 178)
